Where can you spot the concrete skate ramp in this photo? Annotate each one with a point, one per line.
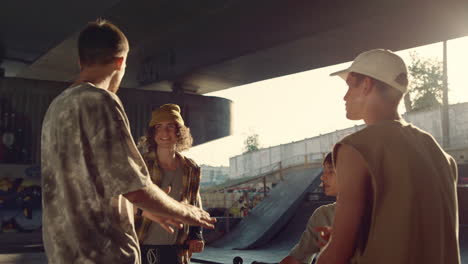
(292, 231)
(269, 217)
(274, 250)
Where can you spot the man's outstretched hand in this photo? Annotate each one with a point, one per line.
(166, 223)
(196, 216)
(169, 213)
(192, 216)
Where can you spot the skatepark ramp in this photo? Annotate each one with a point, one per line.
(268, 218)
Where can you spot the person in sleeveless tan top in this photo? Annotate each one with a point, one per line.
(397, 186)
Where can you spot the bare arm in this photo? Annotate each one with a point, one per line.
(290, 260)
(353, 183)
(196, 232)
(157, 202)
(195, 236)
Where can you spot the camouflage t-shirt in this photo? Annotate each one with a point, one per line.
(89, 160)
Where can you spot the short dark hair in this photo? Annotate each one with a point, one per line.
(100, 42)
(328, 159)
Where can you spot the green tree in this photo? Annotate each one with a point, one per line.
(426, 83)
(251, 143)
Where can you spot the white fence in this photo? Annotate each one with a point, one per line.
(430, 121)
(313, 149)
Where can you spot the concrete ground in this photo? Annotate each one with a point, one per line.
(23, 258)
(24, 249)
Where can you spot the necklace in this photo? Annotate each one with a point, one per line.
(169, 179)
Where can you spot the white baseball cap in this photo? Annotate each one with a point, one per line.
(383, 65)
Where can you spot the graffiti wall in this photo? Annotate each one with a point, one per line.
(20, 198)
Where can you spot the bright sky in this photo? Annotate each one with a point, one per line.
(306, 104)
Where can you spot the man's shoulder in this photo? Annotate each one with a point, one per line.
(362, 133)
(89, 98)
(87, 92)
(83, 92)
(389, 127)
(82, 99)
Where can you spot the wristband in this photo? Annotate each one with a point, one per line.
(139, 212)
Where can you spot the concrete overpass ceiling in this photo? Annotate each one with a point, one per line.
(29, 29)
(206, 46)
(390, 30)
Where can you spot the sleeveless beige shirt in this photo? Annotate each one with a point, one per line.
(413, 212)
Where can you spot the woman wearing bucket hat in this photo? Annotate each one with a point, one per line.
(166, 137)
